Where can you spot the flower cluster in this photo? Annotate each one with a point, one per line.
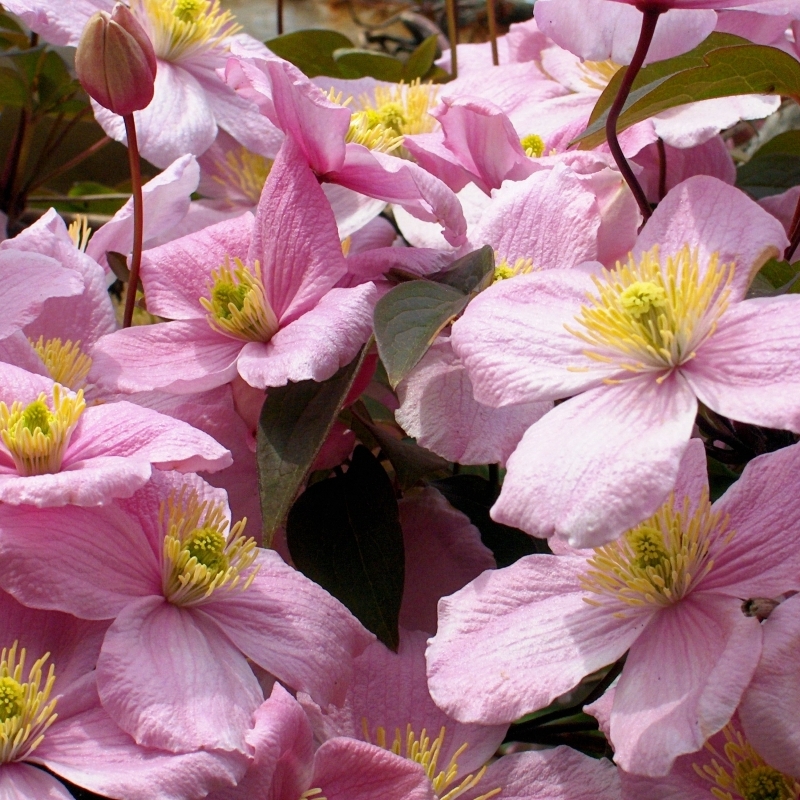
(454, 451)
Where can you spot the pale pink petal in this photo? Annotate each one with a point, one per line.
(373, 264)
(23, 782)
(91, 751)
(558, 774)
(317, 344)
(128, 430)
(771, 704)
(351, 209)
(763, 507)
(513, 343)
(179, 99)
(438, 409)
(293, 628)
(171, 679)
(714, 218)
(692, 480)
(514, 639)
(295, 238)
(110, 560)
(682, 681)
(18, 351)
(746, 370)
(176, 275)
(616, 29)
(349, 770)
(183, 357)
(571, 474)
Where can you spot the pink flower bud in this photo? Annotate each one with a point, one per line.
(115, 61)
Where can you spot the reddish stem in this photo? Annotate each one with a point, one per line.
(138, 219)
(649, 19)
(492, 19)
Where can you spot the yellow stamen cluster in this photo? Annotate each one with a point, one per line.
(79, 231)
(65, 361)
(396, 112)
(659, 561)
(739, 772)
(243, 171)
(26, 710)
(201, 556)
(503, 271)
(647, 317)
(426, 751)
(533, 145)
(180, 29)
(238, 305)
(597, 74)
(36, 437)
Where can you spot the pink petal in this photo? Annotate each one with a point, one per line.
(571, 474)
(438, 409)
(317, 344)
(746, 369)
(772, 702)
(183, 357)
(514, 639)
(682, 681)
(293, 628)
(295, 238)
(172, 680)
(20, 781)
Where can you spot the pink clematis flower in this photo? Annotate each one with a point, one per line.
(286, 765)
(191, 40)
(56, 451)
(635, 348)
(669, 593)
(250, 297)
(772, 702)
(168, 567)
(334, 143)
(52, 718)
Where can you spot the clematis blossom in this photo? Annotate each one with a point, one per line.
(168, 566)
(635, 348)
(250, 297)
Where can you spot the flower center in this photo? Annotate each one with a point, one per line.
(79, 231)
(238, 304)
(243, 171)
(647, 318)
(396, 112)
(660, 561)
(202, 554)
(36, 437)
(26, 710)
(426, 751)
(597, 74)
(503, 271)
(739, 772)
(533, 145)
(65, 361)
(181, 29)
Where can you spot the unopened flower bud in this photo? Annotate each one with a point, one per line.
(115, 61)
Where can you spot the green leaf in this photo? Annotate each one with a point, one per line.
(13, 89)
(787, 142)
(775, 277)
(765, 175)
(311, 50)
(470, 272)
(726, 72)
(663, 69)
(419, 63)
(359, 63)
(407, 320)
(294, 423)
(473, 496)
(344, 533)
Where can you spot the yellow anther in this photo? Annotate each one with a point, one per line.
(660, 561)
(36, 437)
(65, 361)
(243, 171)
(79, 231)
(237, 304)
(180, 29)
(647, 317)
(597, 74)
(503, 271)
(26, 710)
(201, 555)
(533, 145)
